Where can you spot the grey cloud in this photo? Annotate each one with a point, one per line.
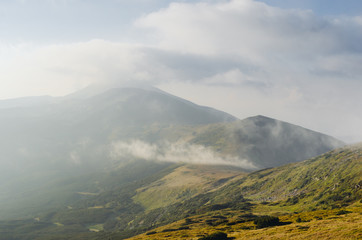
(196, 68)
(254, 31)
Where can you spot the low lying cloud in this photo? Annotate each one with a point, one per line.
(174, 152)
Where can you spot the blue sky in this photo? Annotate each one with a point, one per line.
(321, 7)
(298, 61)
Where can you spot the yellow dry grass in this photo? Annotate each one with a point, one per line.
(183, 183)
(318, 225)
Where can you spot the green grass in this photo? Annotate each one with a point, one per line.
(322, 224)
(310, 197)
(327, 183)
(184, 183)
(96, 228)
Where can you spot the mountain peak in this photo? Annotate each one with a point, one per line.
(151, 105)
(260, 120)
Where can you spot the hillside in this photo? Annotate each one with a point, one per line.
(118, 160)
(317, 198)
(43, 143)
(266, 142)
(332, 180)
(324, 192)
(324, 224)
(103, 204)
(72, 134)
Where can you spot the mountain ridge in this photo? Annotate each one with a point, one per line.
(85, 159)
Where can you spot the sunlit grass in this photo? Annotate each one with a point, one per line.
(322, 224)
(96, 228)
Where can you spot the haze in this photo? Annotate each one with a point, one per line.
(299, 61)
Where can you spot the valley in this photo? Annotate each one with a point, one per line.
(132, 161)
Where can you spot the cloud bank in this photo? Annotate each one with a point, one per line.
(174, 152)
(241, 56)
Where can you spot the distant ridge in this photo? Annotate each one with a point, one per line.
(267, 142)
(26, 101)
(155, 106)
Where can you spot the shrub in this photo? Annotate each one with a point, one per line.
(292, 201)
(266, 221)
(169, 230)
(184, 228)
(188, 221)
(216, 236)
(342, 212)
(212, 222)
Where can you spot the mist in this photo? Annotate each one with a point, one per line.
(176, 153)
(103, 100)
(243, 57)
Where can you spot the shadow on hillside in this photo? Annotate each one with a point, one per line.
(284, 223)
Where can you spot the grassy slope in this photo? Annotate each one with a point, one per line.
(183, 183)
(330, 180)
(264, 141)
(112, 200)
(44, 188)
(314, 191)
(322, 224)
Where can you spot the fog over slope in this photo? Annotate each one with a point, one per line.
(274, 143)
(48, 140)
(81, 131)
(177, 152)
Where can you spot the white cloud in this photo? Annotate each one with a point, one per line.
(275, 40)
(241, 27)
(174, 152)
(240, 56)
(61, 69)
(289, 64)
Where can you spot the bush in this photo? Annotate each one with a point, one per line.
(216, 236)
(342, 212)
(169, 230)
(184, 228)
(292, 201)
(212, 222)
(188, 221)
(266, 221)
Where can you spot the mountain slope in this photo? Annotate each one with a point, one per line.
(324, 224)
(130, 141)
(112, 200)
(79, 132)
(68, 137)
(43, 131)
(333, 179)
(325, 185)
(138, 106)
(26, 102)
(266, 142)
(120, 211)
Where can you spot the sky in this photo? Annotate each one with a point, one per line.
(294, 60)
